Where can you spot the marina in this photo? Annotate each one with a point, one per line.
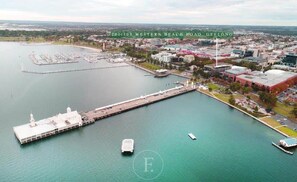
(36, 130)
(66, 58)
(60, 58)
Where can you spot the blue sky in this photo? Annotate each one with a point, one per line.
(230, 12)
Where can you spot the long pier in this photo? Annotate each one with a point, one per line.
(36, 130)
(110, 110)
(71, 70)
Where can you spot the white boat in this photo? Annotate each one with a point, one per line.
(192, 136)
(128, 146)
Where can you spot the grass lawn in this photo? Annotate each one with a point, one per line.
(12, 38)
(280, 108)
(213, 86)
(288, 131)
(30, 40)
(224, 97)
(271, 122)
(284, 110)
(150, 66)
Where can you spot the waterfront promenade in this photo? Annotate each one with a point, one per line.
(273, 128)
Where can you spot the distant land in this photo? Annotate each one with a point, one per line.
(82, 26)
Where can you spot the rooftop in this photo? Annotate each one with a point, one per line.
(236, 70)
(290, 141)
(269, 78)
(59, 121)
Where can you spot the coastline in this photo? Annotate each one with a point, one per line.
(151, 72)
(259, 120)
(139, 67)
(78, 46)
(85, 47)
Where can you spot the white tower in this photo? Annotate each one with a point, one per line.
(193, 85)
(216, 52)
(32, 120)
(68, 109)
(187, 83)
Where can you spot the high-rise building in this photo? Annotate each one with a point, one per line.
(290, 60)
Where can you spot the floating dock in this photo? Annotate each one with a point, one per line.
(279, 147)
(35, 130)
(127, 146)
(192, 136)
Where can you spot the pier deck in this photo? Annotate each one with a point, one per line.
(63, 122)
(117, 108)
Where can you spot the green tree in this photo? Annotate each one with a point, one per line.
(246, 90)
(235, 86)
(256, 109)
(232, 100)
(268, 98)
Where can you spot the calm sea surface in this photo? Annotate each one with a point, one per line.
(229, 147)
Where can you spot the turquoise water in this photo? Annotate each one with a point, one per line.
(229, 147)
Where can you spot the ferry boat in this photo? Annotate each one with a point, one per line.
(192, 136)
(127, 146)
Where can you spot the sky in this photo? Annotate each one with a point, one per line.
(219, 12)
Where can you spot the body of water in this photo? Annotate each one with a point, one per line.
(230, 146)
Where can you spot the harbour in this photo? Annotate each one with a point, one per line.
(92, 153)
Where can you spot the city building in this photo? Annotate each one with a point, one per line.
(290, 60)
(272, 80)
(231, 74)
(237, 53)
(218, 68)
(189, 58)
(163, 56)
(35, 130)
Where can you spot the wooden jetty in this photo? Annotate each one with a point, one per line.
(120, 107)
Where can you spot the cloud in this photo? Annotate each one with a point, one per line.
(244, 12)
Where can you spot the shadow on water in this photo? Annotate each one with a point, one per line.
(127, 154)
(52, 137)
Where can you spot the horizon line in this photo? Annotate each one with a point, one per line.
(62, 21)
